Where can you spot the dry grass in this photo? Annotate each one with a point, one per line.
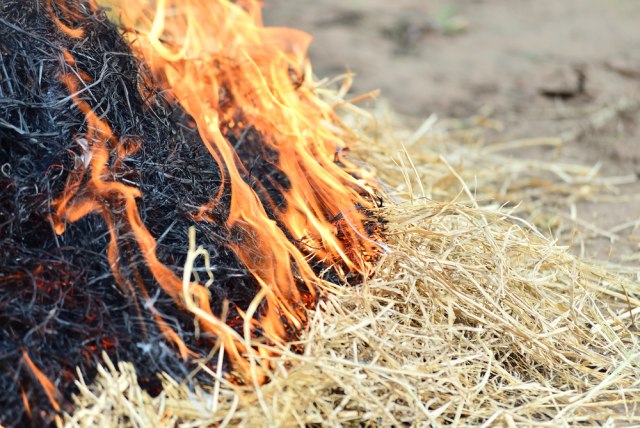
(473, 317)
(543, 188)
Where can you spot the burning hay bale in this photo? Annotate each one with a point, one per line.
(174, 199)
(105, 171)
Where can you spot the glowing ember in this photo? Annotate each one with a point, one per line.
(283, 199)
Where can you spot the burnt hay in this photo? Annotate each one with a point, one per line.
(58, 299)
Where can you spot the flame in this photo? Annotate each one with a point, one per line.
(49, 388)
(233, 76)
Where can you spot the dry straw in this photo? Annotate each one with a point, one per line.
(472, 318)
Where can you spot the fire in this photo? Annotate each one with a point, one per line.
(49, 388)
(243, 84)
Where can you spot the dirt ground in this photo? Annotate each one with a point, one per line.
(544, 68)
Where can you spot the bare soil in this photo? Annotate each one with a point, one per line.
(567, 68)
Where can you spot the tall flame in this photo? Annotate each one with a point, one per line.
(233, 75)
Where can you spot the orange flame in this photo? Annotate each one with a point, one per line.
(230, 73)
(49, 388)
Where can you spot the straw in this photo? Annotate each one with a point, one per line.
(474, 316)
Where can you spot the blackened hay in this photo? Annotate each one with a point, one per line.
(59, 302)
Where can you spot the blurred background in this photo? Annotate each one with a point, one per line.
(543, 68)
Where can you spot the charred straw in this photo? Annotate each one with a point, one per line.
(60, 305)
